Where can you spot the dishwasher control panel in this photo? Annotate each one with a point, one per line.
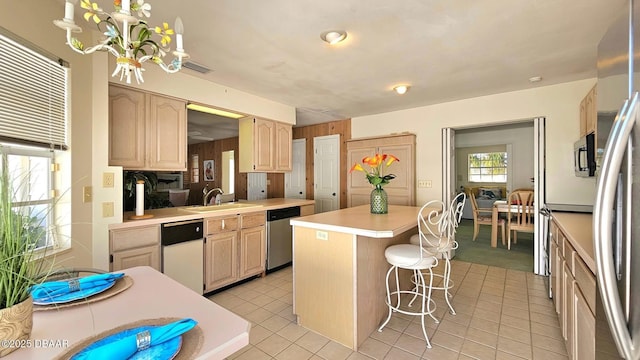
(181, 231)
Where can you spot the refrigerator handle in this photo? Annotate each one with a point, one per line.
(602, 226)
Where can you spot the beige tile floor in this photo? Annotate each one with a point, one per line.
(501, 314)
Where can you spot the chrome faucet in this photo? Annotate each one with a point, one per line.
(208, 192)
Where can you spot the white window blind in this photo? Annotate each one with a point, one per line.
(33, 94)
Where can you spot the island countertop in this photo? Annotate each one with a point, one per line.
(358, 220)
(179, 214)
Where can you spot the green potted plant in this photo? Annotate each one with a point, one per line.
(20, 266)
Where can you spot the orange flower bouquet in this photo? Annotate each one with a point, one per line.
(376, 164)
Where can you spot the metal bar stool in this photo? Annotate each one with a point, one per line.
(440, 241)
(415, 258)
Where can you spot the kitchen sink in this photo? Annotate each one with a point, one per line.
(221, 207)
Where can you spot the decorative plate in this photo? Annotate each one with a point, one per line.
(164, 351)
(72, 296)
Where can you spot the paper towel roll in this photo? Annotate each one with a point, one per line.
(140, 198)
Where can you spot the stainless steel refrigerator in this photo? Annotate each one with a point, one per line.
(616, 216)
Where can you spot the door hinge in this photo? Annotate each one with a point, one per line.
(110, 258)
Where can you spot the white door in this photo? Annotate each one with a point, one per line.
(540, 251)
(295, 184)
(326, 172)
(256, 186)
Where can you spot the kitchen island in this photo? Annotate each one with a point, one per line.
(339, 269)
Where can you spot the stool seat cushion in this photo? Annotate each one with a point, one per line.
(407, 256)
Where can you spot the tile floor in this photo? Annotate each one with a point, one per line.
(501, 314)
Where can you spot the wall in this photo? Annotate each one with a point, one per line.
(558, 103)
(519, 136)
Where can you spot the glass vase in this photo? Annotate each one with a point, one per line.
(379, 203)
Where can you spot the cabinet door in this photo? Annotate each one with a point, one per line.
(583, 117)
(401, 189)
(559, 292)
(252, 251)
(283, 147)
(592, 115)
(264, 145)
(584, 329)
(144, 256)
(358, 187)
(566, 316)
(126, 128)
(220, 260)
(167, 134)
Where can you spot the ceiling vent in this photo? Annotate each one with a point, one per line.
(196, 67)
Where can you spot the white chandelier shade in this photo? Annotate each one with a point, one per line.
(127, 37)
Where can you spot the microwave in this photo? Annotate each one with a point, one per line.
(584, 156)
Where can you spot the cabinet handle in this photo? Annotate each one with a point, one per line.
(223, 224)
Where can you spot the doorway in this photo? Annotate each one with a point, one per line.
(326, 175)
(295, 185)
(524, 144)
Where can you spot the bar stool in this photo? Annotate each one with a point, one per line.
(440, 241)
(415, 258)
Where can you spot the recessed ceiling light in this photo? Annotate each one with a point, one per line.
(535, 79)
(333, 36)
(401, 89)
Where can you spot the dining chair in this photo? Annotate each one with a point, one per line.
(520, 215)
(482, 216)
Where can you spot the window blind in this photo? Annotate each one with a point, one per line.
(33, 95)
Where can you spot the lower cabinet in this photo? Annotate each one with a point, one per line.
(235, 248)
(138, 246)
(221, 265)
(573, 287)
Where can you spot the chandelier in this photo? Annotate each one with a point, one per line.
(127, 37)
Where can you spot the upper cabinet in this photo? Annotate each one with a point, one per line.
(146, 131)
(401, 190)
(265, 145)
(588, 113)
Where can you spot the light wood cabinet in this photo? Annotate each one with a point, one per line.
(146, 131)
(220, 251)
(139, 246)
(265, 145)
(401, 190)
(221, 265)
(588, 113)
(253, 244)
(573, 290)
(235, 248)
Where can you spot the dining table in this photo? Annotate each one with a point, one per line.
(151, 297)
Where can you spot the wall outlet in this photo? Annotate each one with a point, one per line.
(322, 235)
(86, 194)
(107, 180)
(424, 183)
(107, 209)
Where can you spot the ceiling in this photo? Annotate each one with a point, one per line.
(445, 50)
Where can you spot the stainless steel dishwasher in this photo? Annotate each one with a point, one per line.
(183, 252)
(279, 242)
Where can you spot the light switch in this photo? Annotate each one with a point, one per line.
(107, 209)
(86, 194)
(107, 180)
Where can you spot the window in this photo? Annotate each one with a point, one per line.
(31, 183)
(488, 167)
(34, 98)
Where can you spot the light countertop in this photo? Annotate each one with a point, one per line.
(179, 214)
(578, 229)
(358, 220)
(153, 295)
